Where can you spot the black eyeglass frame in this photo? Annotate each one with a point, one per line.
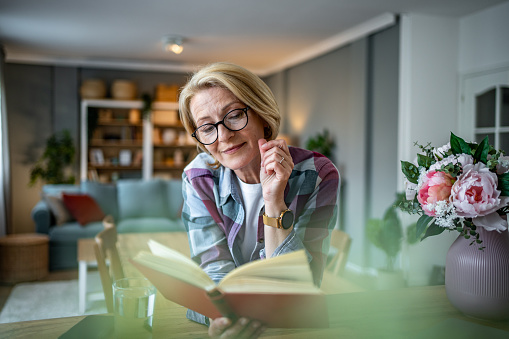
(221, 122)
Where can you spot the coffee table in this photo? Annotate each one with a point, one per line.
(128, 245)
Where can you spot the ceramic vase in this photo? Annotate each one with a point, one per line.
(477, 281)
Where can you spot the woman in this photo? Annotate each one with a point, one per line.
(247, 182)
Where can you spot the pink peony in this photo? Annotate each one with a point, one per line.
(435, 186)
(475, 192)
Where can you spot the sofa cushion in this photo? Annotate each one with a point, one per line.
(104, 194)
(58, 209)
(72, 231)
(175, 198)
(142, 198)
(83, 208)
(52, 195)
(139, 225)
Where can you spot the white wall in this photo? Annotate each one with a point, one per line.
(428, 113)
(484, 41)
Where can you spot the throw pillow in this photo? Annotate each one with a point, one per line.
(57, 207)
(104, 194)
(83, 207)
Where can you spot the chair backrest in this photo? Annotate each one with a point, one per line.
(106, 282)
(105, 248)
(340, 241)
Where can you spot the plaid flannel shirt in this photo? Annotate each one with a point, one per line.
(213, 214)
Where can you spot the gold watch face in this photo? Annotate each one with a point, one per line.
(286, 219)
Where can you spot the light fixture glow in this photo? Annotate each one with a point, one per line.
(173, 44)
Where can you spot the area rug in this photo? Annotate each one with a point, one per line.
(45, 300)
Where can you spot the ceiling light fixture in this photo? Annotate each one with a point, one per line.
(173, 44)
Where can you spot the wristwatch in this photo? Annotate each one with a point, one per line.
(284, 221)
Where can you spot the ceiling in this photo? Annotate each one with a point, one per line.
(262, 35)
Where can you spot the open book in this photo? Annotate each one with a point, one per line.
(278, 291)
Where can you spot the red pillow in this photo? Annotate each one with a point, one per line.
(83, 208)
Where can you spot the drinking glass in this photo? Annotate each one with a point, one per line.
(133, 301)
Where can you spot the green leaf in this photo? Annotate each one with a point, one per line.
(433, 229)
(410, 171)
(424, 161)
(459, 146)
(481, 153)
(422, 224)
(503, 184)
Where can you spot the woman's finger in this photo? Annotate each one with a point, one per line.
(218, 326)
(274, 154)
(236, 329)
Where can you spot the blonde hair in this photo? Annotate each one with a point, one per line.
(245, 85)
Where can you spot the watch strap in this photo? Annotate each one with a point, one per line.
(269, 221)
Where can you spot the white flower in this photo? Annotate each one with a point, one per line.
(503, 165)
(445, 214)
(441, 152)
(410, 190)
(462, 159)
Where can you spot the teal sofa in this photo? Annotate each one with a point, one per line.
(136, 206)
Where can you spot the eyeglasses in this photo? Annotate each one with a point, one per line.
(234, 120)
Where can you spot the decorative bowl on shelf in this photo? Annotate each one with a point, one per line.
(123, 90)
(93, 89)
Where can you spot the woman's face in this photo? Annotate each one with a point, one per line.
(237, 150)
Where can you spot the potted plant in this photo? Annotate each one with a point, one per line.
(387, 235)
(321, 143)
(53, 167)
(464, 187)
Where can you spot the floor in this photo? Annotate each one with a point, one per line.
(5, 289)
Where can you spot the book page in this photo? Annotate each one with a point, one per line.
(286, 268)
(171, 262)
(262, 285)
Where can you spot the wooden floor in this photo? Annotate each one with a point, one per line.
(5, 289)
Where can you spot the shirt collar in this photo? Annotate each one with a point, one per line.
(228, 187)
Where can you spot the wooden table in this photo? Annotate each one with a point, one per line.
(403, 313)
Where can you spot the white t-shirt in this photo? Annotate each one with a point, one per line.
(252, 198)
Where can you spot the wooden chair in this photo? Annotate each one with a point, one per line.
(105, 248)
(340, 241)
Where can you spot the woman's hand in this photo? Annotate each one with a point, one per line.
(242, 328)
(276, 167)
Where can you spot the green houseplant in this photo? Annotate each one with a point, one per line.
(52, 167)
(321, 143)
(387, 234)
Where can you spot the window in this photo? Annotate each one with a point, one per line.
(492, 116)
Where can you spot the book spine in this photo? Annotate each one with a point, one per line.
(217, 298)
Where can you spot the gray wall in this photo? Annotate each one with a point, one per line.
(29, 109)
(382, 156)
(353, 92)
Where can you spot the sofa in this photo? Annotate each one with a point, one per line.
(67, 213)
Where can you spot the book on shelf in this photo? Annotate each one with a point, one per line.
(278, 291)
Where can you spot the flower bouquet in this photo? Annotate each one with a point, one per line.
(460, 186)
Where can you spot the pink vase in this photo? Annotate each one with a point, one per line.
(477, 282)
